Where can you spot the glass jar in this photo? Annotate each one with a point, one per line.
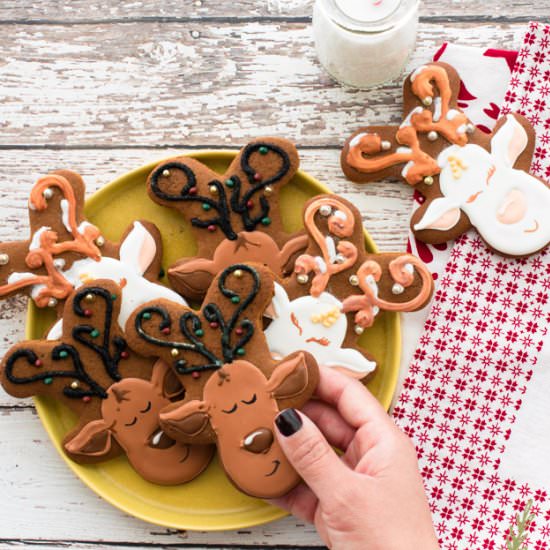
(363, 43)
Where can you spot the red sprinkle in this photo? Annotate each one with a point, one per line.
(213, 324)
(257, 177)
(239, 331)
(196, 374)
(249, 204)
(166, 330)
(86, 399)
(211, 228)
(124, 354)
(38, 363)
(87, 313)
(193, 190)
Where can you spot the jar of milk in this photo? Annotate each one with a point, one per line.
(363, 43)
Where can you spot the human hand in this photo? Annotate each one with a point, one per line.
(370, 498)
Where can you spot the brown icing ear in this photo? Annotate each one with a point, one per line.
(189, 419)
(166, 380)
(290, 377)
(94, 439)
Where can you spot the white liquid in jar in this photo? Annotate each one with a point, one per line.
(363, 43)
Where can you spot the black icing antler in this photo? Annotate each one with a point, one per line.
(191, 326)
(109, 350)
(219, 200)
(59, 353)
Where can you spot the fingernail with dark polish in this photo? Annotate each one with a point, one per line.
(288, 422)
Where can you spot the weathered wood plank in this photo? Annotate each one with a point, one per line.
(43, 500)
(103, 10)
(384, 206)
(154, 84)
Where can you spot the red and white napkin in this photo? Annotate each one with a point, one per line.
(476, 400)
(484, 78)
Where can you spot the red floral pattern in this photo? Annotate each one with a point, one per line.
(478, 351)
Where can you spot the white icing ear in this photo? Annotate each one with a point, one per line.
(442, 215)
(280, 301)
(509, 142)
(138, 249)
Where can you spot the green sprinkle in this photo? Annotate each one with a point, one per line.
(94, 333)
(240, 351)
(113, 296)
(48, 381)
(229, 182)
(63, 354)
(266, 221)
(263, 150)
(206, 206)
(235, 299)
(199, 332)
(146, 315)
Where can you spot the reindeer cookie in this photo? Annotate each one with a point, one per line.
(234, 217)
(468, 178)
(234, 388)
(65, 251)
(337, 289)
(116, 393)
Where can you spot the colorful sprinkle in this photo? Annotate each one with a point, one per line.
(250, 204)
(94, 333)
(239, 331)
(38, 363)
(166, 330)
(87, 313)
(86, 399)
(63, 354)
(146, 315)
(235, 299)
(257, 177)
(193, 190)
(199, 332)
(174, 352)
(229, 182)
(211, 228)
(48, 381)
(263, 150)
(206, 207)
(124, 354)
(113, 297)
(196, 374)
(266, 221)
(240, 351)
(213, 324)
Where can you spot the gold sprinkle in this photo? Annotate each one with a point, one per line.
(174, 352)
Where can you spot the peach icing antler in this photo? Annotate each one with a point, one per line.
(369, 153)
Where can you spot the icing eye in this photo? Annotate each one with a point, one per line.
(133, 422)
(146, 409)
(252, 400)
(231, 410)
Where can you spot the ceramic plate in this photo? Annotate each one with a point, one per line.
(210, 502)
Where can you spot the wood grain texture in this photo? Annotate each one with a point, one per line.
(105, 10)
(153, 84)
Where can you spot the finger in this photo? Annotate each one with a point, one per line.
(310, 453)
(300, 502)
(353, 401)
(336, 430)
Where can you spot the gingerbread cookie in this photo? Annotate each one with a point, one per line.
(116, 393)
(65, 251)
(235, 216)
(338, 288)
(234, 388)
(468, 178)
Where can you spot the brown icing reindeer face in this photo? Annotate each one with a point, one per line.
(130, 415)
(223, 360)
(234, 216)
(91, 370)
(336, 277)
(468, 178)
(65, 251)
(239, 405)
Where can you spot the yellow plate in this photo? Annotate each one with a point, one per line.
(210, 502)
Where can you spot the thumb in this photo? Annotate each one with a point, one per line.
(309, 452)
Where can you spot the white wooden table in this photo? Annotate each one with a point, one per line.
(103, 87)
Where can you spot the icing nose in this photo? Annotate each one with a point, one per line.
(258, 441)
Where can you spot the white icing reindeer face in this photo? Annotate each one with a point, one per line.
(507, 206)
(316, 325)
(137, 251)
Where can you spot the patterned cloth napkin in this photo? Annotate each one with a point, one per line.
(485, 75)
(476, 398)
